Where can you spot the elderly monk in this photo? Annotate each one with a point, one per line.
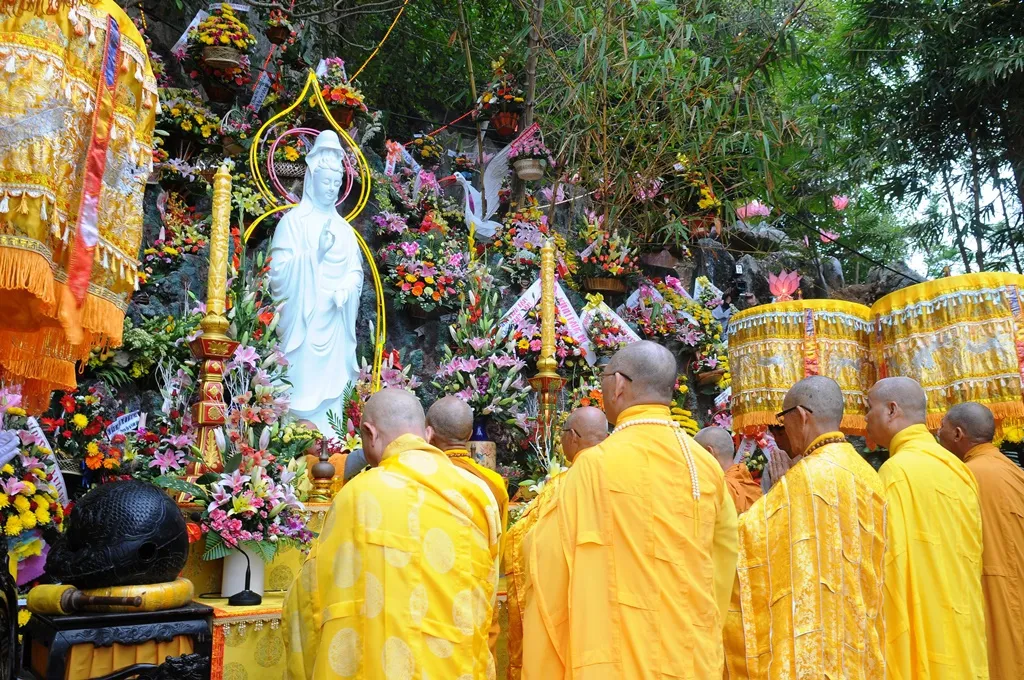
(585, 427)
(632, 564)
(967, 432)
(449, 427)
(808, 602)
(402, 579)
(742, 487)
(934, 607)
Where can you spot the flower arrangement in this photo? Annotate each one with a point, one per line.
(390, 224)
(77, 424)
(526, 336)
(479, 365)
(184, 117)
(704, 198)
(426, 271)
(336, 89)
(607, 254)
(280, 20)
(392, 375)
(222, 28)
(607, 336)
(240, 124)
(426, 150)
(232, 77)
(180, 235)
(31, 514)
(290, 153)
(518, 243)
(531, 148)
(707, 294)
(501, 94)
(680, 412)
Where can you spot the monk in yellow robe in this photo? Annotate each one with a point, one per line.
(402, 579)
(449, 427)
(808, 600)
(742, 487)
(631, 565)
(934, 606)
(967, 431)
(585, 427)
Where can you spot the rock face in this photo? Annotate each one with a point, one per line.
(885, 281)
(832, 272)
(716, 263)
(761, 238)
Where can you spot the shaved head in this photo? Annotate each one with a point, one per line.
(585, 427)
(450, 423)
(812, 407)
(640, 373)
(718, 443)
(387, 415)
(895, 404)
(965, 426)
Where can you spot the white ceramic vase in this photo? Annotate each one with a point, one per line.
(233, 578)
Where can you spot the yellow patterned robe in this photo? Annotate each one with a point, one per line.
(50, 68)
(808, 598)
(934, 604)
(629, 573)
(515, 574)
(402, 581)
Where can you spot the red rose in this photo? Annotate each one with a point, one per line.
(67, 434)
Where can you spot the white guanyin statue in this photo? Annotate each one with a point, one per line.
(316, 270)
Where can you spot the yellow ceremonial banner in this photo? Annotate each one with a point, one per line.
(773, 346)
(961, 337)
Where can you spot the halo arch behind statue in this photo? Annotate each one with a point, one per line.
(380, 330)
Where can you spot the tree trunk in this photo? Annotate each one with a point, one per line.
(957, 234)
(466, 48)
(976, 226)
(535, 16)
(1011, 239)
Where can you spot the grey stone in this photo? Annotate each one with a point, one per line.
(715, 262)
(832, 272)
(760, 238)
(886, 281)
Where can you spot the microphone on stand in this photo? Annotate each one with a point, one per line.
(245, 597)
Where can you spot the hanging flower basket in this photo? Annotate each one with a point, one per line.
(288, 170)
(218, 93)
(505, 123)
(710, 377)
(343, 116)
(604, 284)
(223, 58)
(530, 169)
(277, 35)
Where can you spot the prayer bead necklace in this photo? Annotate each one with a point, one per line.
(694, 485)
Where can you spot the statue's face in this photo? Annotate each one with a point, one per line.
(326, 185)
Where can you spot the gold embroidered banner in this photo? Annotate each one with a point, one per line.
(961, 337)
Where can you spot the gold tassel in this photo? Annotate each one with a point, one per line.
(23, 208)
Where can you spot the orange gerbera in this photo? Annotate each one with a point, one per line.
(417, 290)
(94, 462)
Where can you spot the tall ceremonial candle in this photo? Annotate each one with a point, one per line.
(216, 282)
(546, 363)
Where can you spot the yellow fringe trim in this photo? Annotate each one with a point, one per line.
(840, 306)
(930, 290)
(29, 272)
(855, 424)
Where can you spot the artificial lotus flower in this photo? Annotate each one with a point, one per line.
(829, 236)
(784, 285)
(840, 202)
(753, 209)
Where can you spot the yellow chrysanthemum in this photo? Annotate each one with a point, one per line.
(7, 469)
(79, 421)
(28, 519)
(21, 503)
(30, 489)
(16, 411)
(23, 617)
(43, 515)
(13, 526)
(4, 501)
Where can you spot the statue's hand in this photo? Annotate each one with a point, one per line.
(340, 297)
(327, 239)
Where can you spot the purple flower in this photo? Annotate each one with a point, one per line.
(12, 487)
(478, 343)
(167, 460)
(245, 356)
(180, 441)
(410, 248)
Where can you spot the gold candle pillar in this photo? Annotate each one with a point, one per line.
(213, 347)
(547, 383)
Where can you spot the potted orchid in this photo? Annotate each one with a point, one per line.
(529, 157)
(279, 27)
(237, 128)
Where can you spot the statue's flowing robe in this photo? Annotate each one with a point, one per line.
(318, 336)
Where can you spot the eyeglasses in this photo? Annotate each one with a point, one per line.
(782, 414)
(606, 374)
(566, 430)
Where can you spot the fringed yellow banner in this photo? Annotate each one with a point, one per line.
(961, 337)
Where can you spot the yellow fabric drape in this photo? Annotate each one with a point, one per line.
(461, 458)
(808, 597)
(934, 606)
(629, 574)
(515, 574)
(86, 661)
(1001, 490)
(421, 531)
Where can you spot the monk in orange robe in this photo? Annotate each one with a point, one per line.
(742, 487)
(808, 601)
(967, 432)
(630, 567)
(449, 427)
(584, 428)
